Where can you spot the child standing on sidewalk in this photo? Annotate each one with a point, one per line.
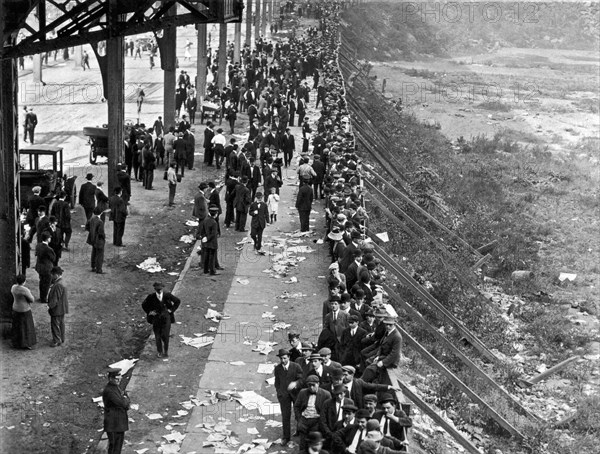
(273, 205)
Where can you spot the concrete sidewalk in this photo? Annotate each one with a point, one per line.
(252, 292)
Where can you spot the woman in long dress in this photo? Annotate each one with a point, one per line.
(23, 329)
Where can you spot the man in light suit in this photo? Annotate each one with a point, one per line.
(388, 353)
(96, 238)
(287, 376)
(260, 214)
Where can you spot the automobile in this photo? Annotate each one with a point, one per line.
(98, 141)
(50, 177)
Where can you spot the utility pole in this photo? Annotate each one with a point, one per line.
(249, 23)
(222, 74)
(201, 63)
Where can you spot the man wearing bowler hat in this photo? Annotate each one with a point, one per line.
(287, 378)
(208, 233)
(309, 406)
(388, 353)
(348, 439)
(314, 442)
(87, 196)
(116, 404)
(392, 420)
(160, 310)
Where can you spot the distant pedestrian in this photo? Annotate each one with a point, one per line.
(85, 60)
(31, 122)
(116, 403)
(160, 308)
(96, 238)
(208, 233)
(45, 261)
(172, 182)
(260, 217)
(140, 98)
(118, 214)
(23, 329)
(304, 205)
(62, 211)
(87, 196)
(58, 307)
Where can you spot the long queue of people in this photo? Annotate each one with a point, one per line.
(336, 389)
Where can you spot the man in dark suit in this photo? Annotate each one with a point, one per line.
(393, 421)
(348, 256)
(336, 321)
(333, 410)
(349, 438)
(351, 343)
(353, 269)
(304, 205)
(357, 389)
(323, 373)
(118, 214)
(116, 404)
(96, 238)
(287, 376)
(87, 196)
(160, 310)
(260, 215)
(45, 263)
(388, 353)
(255, 177)
(230, 184)
(288, 146)
(241, 203)
(58, 307)
(309, 407)
(125, 183)
(208, 233)
(215, 200)
(304, 361)
(317, 181)
(209, 134)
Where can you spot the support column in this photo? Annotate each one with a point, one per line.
(263, 23)
(37, 68)
(115, 74)
(222, 55)
(10, 227)
(257, 21)
(271, 6)
(201, 64)
(237, 42)
(249, 23)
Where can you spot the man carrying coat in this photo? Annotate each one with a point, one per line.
(160, 310)
(260, 214)
(116, 404)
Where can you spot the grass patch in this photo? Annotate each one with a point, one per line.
(495, 106)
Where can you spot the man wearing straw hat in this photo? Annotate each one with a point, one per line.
(116, 404)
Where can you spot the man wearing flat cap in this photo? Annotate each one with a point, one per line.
(160, 308)
(356, 388)
(287, 377)
(87, 196)
(116, 403)
(309, 406)
(333, 411)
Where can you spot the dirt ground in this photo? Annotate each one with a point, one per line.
(47, 393)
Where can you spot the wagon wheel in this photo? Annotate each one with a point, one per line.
(93, 154)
